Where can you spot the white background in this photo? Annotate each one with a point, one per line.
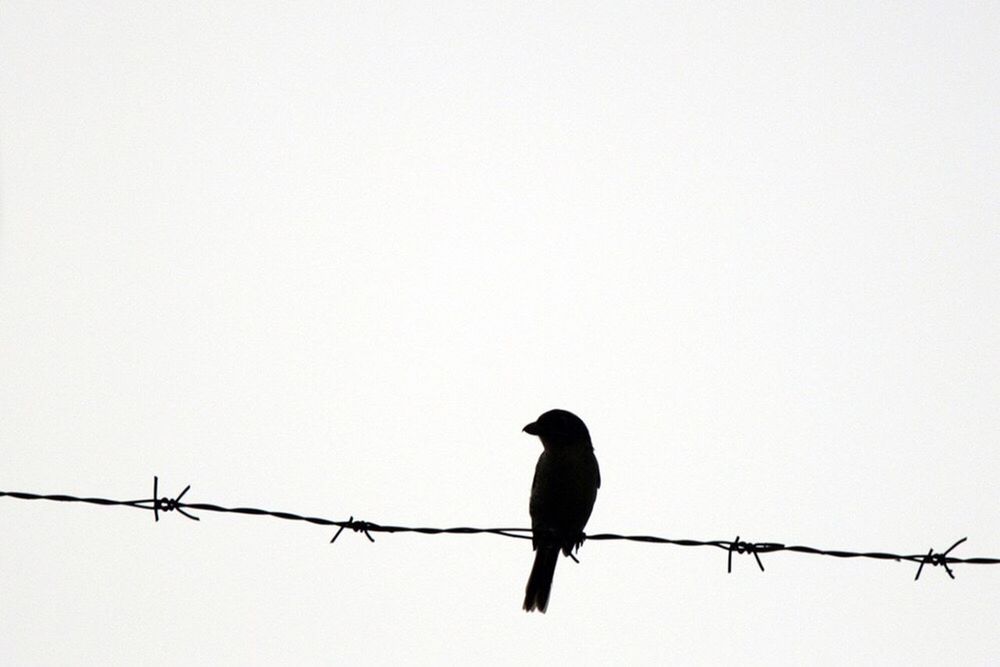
(330, 258)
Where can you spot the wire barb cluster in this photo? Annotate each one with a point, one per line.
(167, 504)
(936, 559)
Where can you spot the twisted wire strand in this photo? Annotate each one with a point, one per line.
(158, 504)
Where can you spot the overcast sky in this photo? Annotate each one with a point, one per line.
(331, 257)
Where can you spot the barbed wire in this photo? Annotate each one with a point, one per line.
(158, 504)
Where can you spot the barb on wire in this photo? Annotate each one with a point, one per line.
(742, 548)
(938, 559)
(357, 527)
(166, 504)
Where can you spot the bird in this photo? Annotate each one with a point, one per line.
(562, 497)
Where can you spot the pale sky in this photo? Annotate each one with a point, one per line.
(330, 258)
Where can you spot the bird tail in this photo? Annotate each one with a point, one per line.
(536, 594)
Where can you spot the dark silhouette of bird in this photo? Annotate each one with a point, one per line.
(562, 497)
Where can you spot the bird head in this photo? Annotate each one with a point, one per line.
(559, 428)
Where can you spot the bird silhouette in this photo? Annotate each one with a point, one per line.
(562, 496)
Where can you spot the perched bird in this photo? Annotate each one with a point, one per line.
(562, 497)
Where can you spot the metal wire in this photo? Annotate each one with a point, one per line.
(158, 504)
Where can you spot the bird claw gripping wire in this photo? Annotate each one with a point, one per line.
(357, 527)
(742, 548)
(936, 559)
(576, 548)
(169, 504)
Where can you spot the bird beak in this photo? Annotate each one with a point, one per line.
(531, 429)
